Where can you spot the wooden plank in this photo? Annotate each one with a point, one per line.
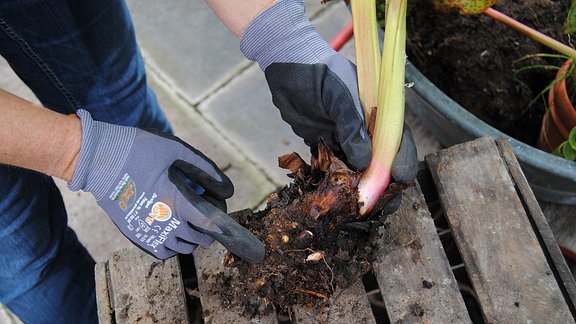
(412, 270)
(543, 232)
(503, 257)
(144, 289)
(105, 309)
(209, 261)
(350, 305)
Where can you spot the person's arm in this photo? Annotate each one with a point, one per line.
(37, 138)
(157, 189)
(236, 15)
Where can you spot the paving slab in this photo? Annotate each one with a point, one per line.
(251, 185)
(190, 46)
(193, 49)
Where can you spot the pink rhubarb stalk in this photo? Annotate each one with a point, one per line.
(471, 7)
(532, 33)
(390, 112)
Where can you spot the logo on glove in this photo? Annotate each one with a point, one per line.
(160, 212)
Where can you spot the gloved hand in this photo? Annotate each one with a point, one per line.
(316, 89)
(145, 183)
(313, 86)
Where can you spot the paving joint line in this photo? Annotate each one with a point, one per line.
(174, 91)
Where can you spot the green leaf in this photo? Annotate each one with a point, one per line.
(572, 138)
(558, 151)
(464, 7)
(570, 22)
(568, 151)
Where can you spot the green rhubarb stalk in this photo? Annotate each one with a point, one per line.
(367, 53)
(390, 113)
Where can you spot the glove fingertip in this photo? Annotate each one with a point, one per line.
(392, 205)
(361, 156)
(405, 165)
(221, 187)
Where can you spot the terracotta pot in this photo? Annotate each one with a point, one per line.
(561, 115)
(550, 137)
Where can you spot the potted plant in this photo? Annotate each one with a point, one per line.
(552, 178)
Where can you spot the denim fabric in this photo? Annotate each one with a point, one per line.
(72, 54)
(46, 275)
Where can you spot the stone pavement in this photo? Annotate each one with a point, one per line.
(216, 100)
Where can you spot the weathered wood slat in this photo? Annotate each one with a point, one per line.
(503, 257)
(350, 305)
(141, 289)
(541, 229)
(209, 261)
(412, 270)
(105, 309)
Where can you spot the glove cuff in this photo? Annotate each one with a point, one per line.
(103, 152)
(283, 33)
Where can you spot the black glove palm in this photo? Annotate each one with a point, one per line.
(317, 104)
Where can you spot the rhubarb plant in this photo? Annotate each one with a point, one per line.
(389, 82)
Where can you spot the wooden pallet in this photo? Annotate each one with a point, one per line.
(469, 243)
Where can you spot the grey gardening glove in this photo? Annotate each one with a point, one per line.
(142, 181)
(315, 88)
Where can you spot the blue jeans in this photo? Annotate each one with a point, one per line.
(72, 54)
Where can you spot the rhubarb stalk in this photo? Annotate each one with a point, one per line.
(532, 33)
(367, 53)
(390, 114)
(468, 7)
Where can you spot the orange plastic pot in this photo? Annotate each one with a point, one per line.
(561, 115)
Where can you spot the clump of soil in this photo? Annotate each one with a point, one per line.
(314, 241)
(473, 60)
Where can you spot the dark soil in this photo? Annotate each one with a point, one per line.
(473, 60)
(314, 241)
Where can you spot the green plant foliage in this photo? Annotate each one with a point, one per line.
(543, 94)
(570, 22)
(464, 7)
(567, 149)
